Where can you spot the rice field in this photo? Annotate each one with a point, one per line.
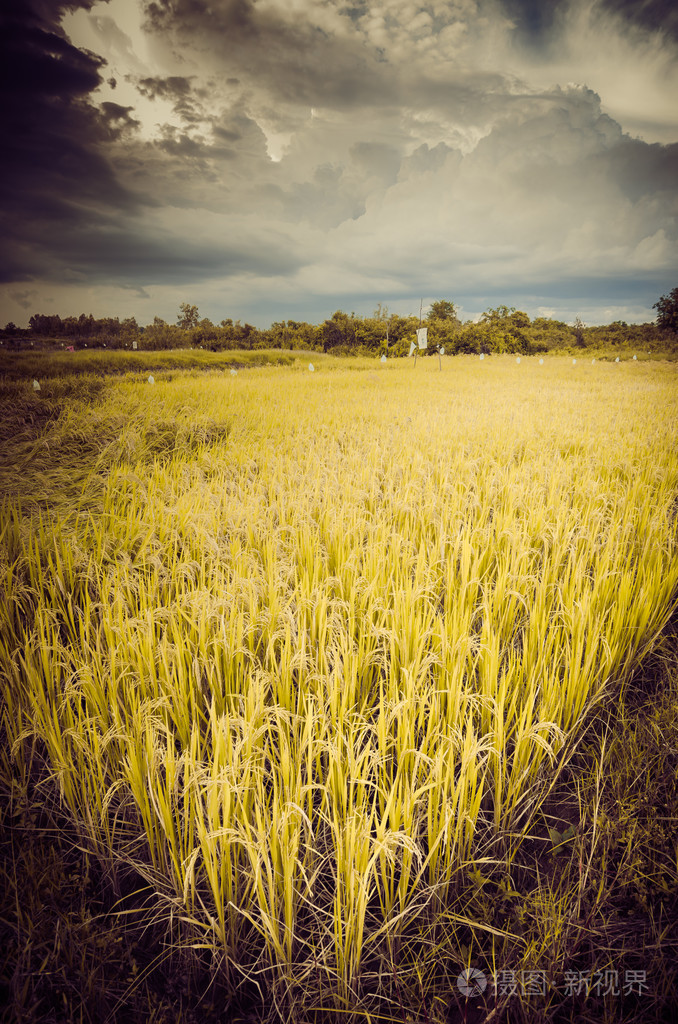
(307, 652)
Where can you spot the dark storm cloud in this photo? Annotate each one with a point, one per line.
(299, 59)
(101, 250)
(222, 168)
(155, 257)
(641, 169)
(188, 102)
(54, 174)
(537, 18)
(661, 15)
(66, 216)
(173, 87)
(117, 119)
(39, 62)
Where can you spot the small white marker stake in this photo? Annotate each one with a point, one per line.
(233, 373)
(482, 355)
(617, 359)
(592, 362)
(383, 359)
(134, 345)
(635, 357)
(442, 351)
(151, 380)
(36, 385)
(574, 362)
(541, 362)
(311, 367)
(518, 359)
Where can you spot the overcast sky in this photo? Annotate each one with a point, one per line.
(274, 159)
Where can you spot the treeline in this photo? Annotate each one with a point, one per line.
(504, 329)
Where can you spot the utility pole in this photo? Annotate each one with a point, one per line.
(416, 351)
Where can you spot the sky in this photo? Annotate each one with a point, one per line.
(282, 159)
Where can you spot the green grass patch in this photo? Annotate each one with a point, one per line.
(23, 365)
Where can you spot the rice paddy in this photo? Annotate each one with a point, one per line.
(308, 654)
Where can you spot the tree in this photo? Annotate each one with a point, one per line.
(129, 329)
(442, 310)
(47, 326)
(667, 312)
(578, 329)
(443, 326)
(506, 329)
(189, 316)
(338, 331)
(498, 315)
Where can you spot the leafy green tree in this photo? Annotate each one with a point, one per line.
(667, 312)
(46, 326)
(158, 334)
(370, 334)
(188, 316)
(401, 331)
(443, 310)
(302, 335)
(546, 334)
(507, 329)
(279, 335)
(129, 330)
(204, 333)
(578, 328)
(338, 332)
(497, 316)
(443, 326)
(247, 335)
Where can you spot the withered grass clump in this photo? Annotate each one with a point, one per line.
(306, 651)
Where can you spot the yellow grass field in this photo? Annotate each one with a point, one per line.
(306, 650)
